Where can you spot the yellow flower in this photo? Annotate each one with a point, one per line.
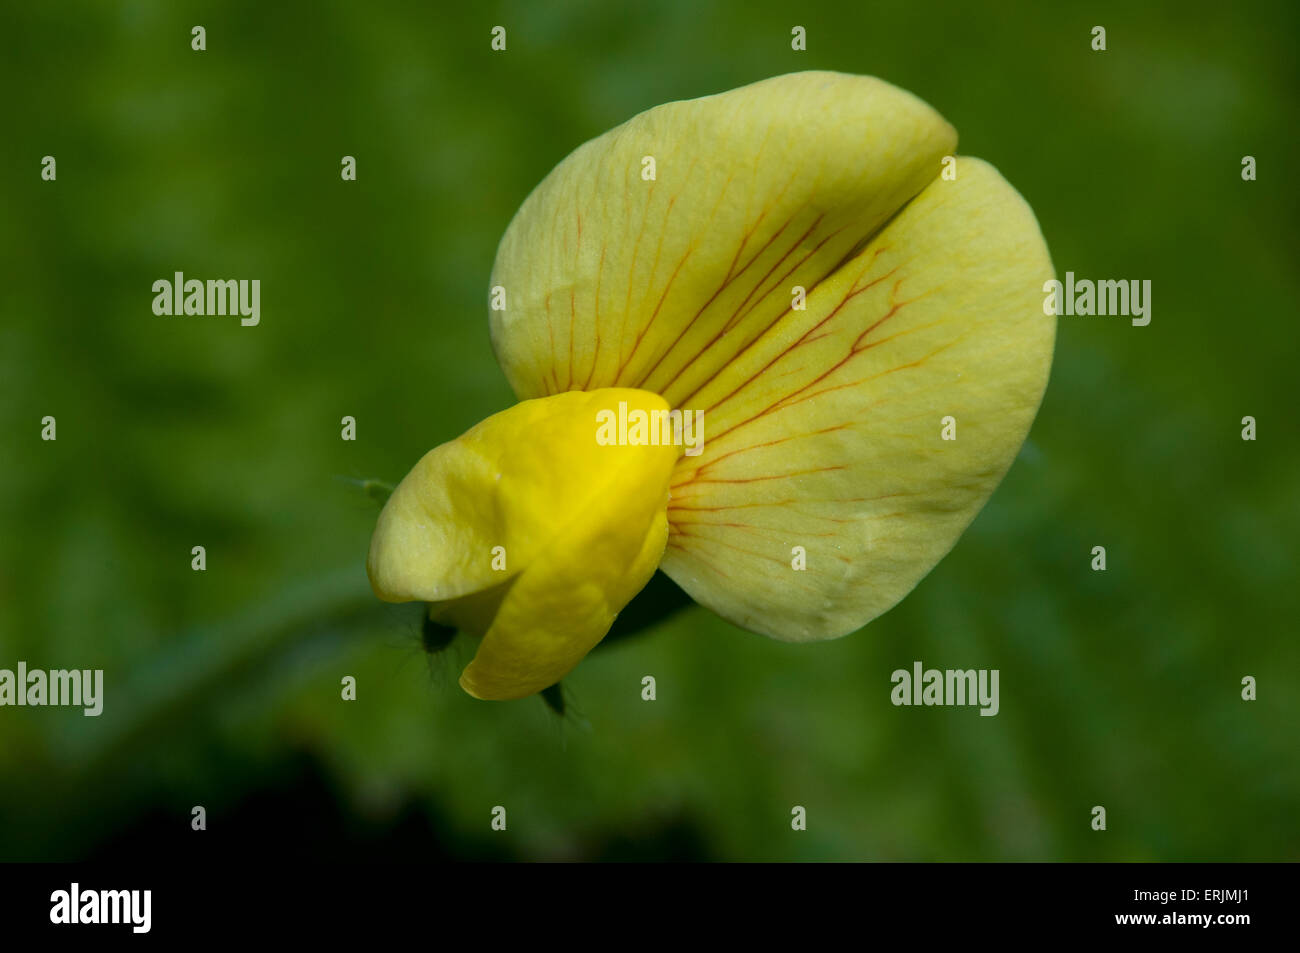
(862, 331)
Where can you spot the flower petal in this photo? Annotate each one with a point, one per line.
(518, 480)
(612, 279)
(581, 526)
(558, 610)
(826, 432)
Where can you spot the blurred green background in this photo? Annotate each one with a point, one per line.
(1119, 688)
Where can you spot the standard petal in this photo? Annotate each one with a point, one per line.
(827, 431)
(612, 278)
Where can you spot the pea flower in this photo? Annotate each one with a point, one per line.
(852, 315)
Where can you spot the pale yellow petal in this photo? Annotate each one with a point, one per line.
(826, 433)
(613, 279)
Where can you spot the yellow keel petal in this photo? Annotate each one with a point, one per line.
(507, 482)
(557, 611)
(532, 530)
